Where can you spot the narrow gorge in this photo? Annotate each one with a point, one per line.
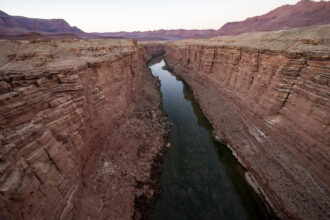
(201, 179)
(267, 96)
(83, 129)
(81, 125)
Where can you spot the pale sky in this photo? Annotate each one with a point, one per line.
(134, 15)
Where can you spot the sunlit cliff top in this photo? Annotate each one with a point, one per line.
(44, 54)
(307, 39)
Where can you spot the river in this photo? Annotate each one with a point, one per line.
(201, 179)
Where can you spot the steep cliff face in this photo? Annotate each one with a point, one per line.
(152, 49)
(267, 94)
(60, 101)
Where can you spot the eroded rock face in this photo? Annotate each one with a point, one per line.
(272, 107)
(61, 101)
(152, 49)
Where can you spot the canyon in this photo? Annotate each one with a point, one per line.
(83, 134)
(267, 96)
(81, 125)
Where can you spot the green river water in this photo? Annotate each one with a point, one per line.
(201, 179)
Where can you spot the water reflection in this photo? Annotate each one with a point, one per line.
(200, 178)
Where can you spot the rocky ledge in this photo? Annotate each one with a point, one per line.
(81, 130)
(267, 96)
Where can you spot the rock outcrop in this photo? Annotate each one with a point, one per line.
(61, 102)
(267, 95)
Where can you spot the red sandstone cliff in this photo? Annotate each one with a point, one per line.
(267, 94)
(80, 121)
(61, 103)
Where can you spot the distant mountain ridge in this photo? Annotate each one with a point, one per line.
(177, 34)
(14, 25)
(304, 13)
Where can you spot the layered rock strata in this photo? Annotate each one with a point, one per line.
(63, 101)
(267, 95)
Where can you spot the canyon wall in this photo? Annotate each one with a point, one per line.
(152, 49)
(59, 102)
(82, 133)
(267, 96)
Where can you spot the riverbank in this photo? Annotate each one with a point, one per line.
(125, 181)
(266, 95)
(82, 129)
(200, 178)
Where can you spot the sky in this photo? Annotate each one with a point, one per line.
(142, 15)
